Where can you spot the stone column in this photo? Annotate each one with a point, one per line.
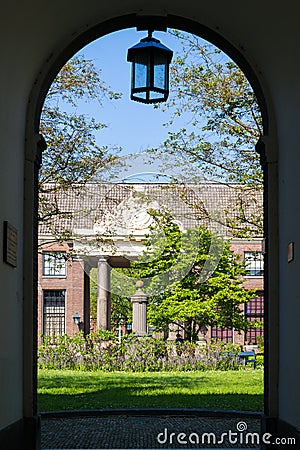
(103, 301)
(86, 300)
(139, 310)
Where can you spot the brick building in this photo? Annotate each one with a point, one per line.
(117, 213)
(251, 251)
(61, 291)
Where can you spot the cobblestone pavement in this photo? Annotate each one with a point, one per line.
(136, 432)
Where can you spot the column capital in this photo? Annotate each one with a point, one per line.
(103, 258)
(139, 298)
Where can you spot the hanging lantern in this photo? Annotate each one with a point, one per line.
(150, 70)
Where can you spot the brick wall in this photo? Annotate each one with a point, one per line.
(250, 282)
(240, 247)
(72, 283)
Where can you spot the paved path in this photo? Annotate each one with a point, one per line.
(140, 432)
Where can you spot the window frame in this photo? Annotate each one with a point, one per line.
(252, 314)
(224, 334)
(55, 314)
(250, 257)
(55, 257)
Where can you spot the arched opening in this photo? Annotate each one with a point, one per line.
(142, 22)
(171, 21)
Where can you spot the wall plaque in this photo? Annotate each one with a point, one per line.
(291, 252)
(10, 244)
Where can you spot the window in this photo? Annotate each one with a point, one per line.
(223, 334)
(254, 264)
(254, 311)
(54, 264)
(54, 312)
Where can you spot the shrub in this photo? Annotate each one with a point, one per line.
(261, 344)
(259, 361)
(102, 351)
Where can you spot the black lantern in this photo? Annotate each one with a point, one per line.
(76, 319)
(150, 70)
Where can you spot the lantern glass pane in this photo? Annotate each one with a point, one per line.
(141, 95)
(160, 73)
(155, 95)
(141, 65)
(159, 76)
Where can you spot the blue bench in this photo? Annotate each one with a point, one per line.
(248, 357)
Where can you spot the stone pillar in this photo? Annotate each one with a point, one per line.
(103, 300)
(139, 310)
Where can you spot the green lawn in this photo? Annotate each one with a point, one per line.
(72, 390)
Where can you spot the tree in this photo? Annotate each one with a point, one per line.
(72, 156)
(192, 277)
(222, 125)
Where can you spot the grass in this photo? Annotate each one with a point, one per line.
(78, 390)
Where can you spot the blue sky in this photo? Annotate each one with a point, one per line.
(132, 125)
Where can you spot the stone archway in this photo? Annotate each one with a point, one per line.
(33, 151)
